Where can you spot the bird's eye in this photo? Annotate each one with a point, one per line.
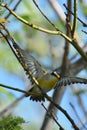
(54, 73)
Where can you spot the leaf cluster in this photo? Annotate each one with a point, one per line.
(11, 123)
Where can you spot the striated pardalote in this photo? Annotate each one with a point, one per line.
(46, 80)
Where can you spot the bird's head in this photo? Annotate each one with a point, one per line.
(54, 73)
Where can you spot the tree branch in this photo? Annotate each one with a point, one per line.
(51, 115)
(83, 23)
(24, 65)
(75, 19)
(15, 7)
(45, 15)
(72, 41)
(58, 93)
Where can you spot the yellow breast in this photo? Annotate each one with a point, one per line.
(46, 84)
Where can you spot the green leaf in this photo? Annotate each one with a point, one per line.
(11, 123)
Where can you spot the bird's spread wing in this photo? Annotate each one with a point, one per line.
(36, 69)
(33, 65)
(70, 80)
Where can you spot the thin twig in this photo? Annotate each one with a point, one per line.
(50, 114)
(84, 24)
(84, 31)
(19, 90)
(77, 115)
(63, 111)
(65, 62)
(84, 47)
(79, 49)
(15, 7)
(75, 19)
(45, 15)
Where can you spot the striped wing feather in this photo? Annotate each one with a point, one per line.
(70, 80)
(36, 69)
(34, 66)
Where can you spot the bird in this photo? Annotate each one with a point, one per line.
(47, 80)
